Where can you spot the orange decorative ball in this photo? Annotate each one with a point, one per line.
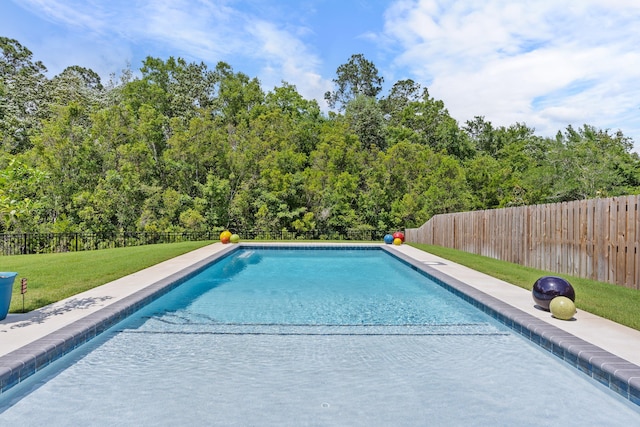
(225, 236)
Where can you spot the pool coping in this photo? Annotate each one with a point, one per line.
(614, 372)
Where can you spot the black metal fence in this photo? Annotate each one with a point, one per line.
(38, 243)
(363, 235)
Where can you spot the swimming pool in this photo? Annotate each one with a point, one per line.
(393, 347)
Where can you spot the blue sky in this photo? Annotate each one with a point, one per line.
(546, 63)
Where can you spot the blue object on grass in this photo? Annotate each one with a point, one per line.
(6, 287)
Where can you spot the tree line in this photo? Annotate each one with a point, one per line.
(179, 146)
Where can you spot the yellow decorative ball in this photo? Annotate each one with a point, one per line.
(562, 308)
(225, 236)
(397, 241)
(234, 238)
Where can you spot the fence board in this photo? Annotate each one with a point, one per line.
(565, 263)
(636, 241)
(576, 240)
(630, 241)
(601, 234)
(591, 257)
(613, 249)
(537, 233)
(621, 246)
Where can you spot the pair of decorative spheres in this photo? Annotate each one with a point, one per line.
(556, 295)
(227, 237)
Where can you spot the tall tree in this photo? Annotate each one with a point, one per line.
(480, 132)
(366, 120)
(66, 153)
(238, 96)
(448, 191)
(593, 163)
(401, 95)
(332, 180)
(23, 95)
(76, 84)
(428, 122)
(304, 115)
(20, 196)
(359, 76)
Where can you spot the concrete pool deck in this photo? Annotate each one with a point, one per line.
(23, 335)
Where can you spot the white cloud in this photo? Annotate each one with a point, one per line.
(200, 30)
(288, 59)
(548, 64)
(85, 15)
(496, 58)
(207, 30)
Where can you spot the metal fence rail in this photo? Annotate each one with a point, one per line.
(38, 243)
(365, 235)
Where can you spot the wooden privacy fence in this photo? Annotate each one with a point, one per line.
(595, 239)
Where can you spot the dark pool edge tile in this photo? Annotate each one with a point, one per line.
(586, 357)
(27, 360)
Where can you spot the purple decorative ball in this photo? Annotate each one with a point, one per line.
(547, 288)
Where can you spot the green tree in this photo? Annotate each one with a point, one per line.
(76, 84)
(358, 76)
(593, 163)
(112, 127)
(193, 152)
(481, 134)
(404, 178)
(484, 177)
(113, 205)
(402, 94)
(448, 190)
(185, 147)
(426, 121)
(332, 179)
(366, 121)
(216, 192)
(23, 96)
(20, 194)
(303, 116)
(239, 96)
(66, 153)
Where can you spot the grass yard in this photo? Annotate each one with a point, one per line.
(53, 277)
(613, 302)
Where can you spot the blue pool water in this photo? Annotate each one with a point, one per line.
(311, 337)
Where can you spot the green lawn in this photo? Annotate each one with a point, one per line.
(613, 302)
(52, 277)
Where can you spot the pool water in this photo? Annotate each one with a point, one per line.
(311, 337)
